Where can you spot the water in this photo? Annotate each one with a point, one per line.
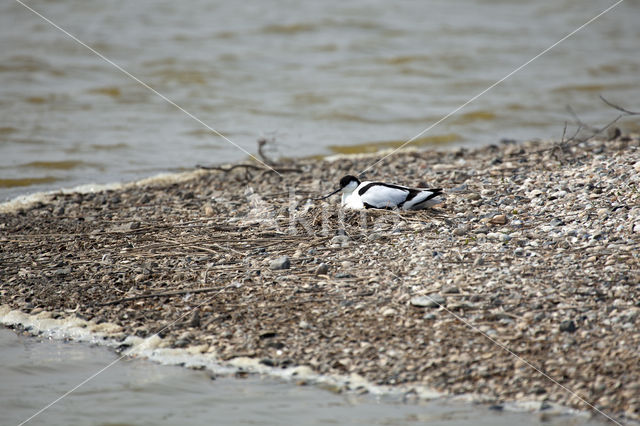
(36, 372)
(319, 77)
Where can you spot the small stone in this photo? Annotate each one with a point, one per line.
(556, 222)
(181, 343)
(388, 312)
(62, 271)
(568, 326)
(374, 236)
(499, 219)
(195, 319)
(459, 231)
(431, 301)
(462, 188)
(322, 269)
(268, 362)
(134, 225)
(475, 196)
(282, 262)
(420, 301)
(430, 316)
(341, 240)
(451, 290)
(499, 236)
(344, 275)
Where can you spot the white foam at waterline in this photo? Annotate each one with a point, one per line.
(194, 357)
(151, 348)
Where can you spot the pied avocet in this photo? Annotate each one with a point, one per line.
(380, 195)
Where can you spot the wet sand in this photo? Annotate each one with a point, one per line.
(536, 249)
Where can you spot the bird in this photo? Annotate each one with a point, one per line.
(380, 195)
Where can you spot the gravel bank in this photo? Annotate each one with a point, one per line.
(537, 249)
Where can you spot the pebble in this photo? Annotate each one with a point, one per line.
(322, 269)
(195, 319)
(62, 271)
(459, 231)
(499, 236)
(341, 240)
(375, 236)
(344, 275)
(432, 301)
(282, 262)
(498, 219)
(568, 326)
(388, 312)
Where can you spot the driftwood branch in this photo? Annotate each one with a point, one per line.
(162, 294)
(618, 107)
(272, 166)
(251, 167)
(261, 143)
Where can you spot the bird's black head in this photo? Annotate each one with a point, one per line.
(347, 180)
(344, 182)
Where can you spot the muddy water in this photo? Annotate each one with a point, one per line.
(318, 77)
(36, 372)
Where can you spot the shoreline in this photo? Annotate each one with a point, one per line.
(536, 246)
(110, 336)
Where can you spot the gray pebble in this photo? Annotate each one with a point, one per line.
(63, 271)
(282, 262)
(431, 301)
(462, 188)
(344, 275)
(322, 269)
(568, 326)
(556, 222)
(459, 231)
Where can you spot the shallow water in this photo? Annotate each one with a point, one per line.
(319, 77)
(36, 372)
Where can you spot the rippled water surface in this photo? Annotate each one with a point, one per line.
(36, 372)
(319, 77)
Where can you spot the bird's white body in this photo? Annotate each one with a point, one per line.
(359, 195)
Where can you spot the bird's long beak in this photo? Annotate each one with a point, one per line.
(327, 196)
